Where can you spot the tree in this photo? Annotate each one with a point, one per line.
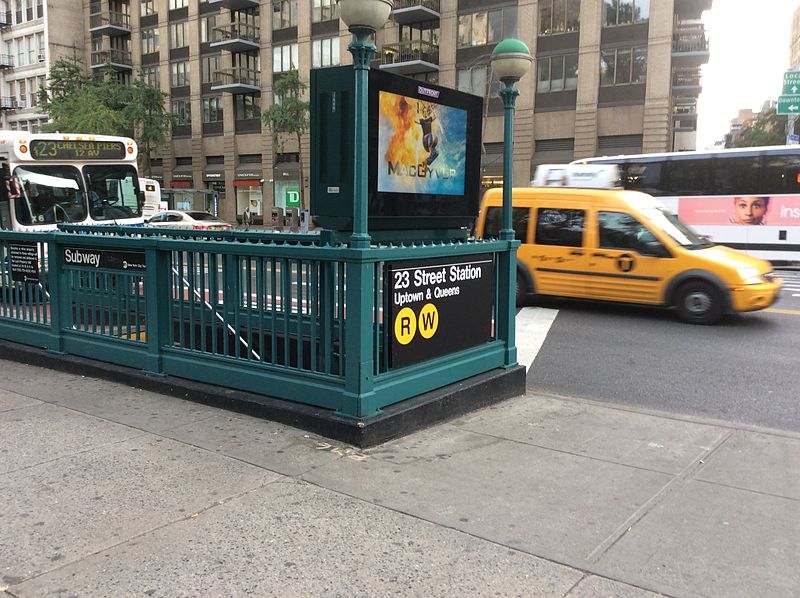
(79, 103)
(769, 128)
(288, 115)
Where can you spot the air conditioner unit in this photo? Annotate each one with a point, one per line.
(40, 57)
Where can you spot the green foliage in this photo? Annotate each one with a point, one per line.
(79, 103)
(769, 128)
(288, 116)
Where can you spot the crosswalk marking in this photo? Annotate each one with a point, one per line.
(533, 324)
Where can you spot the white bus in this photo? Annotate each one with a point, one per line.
(747, 198)
(151, 190)
(53, 178)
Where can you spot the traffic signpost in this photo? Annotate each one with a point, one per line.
(789, 104)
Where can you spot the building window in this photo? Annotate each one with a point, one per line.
(179, 74)
(177, 35)
(212, 109)
(623, 12)
(556, 73)
(247, 107)
(284, 14)
(148, 8)
(325, 52)
(182, 110)
(207, 25)
(482, 28)
(473, 80)
(285, 58)
(150, 40)
(173, 4)
(559, 16)
(324, 10)
(623, 66)
(208, 66)
(150, 75)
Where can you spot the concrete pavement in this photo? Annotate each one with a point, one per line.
(112, 491)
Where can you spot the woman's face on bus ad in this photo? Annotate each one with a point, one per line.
(749, 210)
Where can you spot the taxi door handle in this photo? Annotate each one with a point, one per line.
(576, 253)
(601, 255)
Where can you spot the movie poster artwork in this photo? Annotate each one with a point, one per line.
(422, 146)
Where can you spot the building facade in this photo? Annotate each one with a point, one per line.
(610, 76)
(33, 34)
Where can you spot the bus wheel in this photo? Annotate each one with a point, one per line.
(522, 290)
(699, 303)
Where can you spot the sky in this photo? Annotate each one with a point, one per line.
(749, 52)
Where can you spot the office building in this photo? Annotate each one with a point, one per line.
(609, 77)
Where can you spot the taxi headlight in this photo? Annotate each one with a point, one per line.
(750, 275)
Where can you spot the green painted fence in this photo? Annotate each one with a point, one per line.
(296, 317)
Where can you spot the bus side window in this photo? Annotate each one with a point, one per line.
(780, 175)
(688, 177)
(647, 177)
(735, 175)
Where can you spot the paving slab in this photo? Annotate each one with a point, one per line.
(121, 403)
(294, 539)
(626, 437)
(11, 400)
(711, 540)
(761, 462)
(67, 509)
(549, 503)
(593, 586)
(43, 432)
(283, 449)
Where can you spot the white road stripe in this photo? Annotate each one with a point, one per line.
(533, 324)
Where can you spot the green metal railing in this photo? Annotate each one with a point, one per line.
(268, 313)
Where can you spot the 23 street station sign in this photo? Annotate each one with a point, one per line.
(438, 306)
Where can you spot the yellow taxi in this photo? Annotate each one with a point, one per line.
(624, 246)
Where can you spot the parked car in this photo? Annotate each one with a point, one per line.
(188, 219)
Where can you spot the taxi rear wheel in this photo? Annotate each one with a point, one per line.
(699, 303)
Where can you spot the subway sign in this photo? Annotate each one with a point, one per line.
(438, 306)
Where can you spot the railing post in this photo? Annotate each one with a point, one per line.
(59, 295)
(158, 307)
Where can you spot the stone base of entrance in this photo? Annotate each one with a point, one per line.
(397, 420)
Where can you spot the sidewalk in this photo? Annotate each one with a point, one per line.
(113, 491)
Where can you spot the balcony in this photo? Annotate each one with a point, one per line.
(119, 60)
(8, 103)
(409, 57)
(407, 12)
(237, 80)
(689, 45)
(6, 61)
(5, 19)
(110, 23)
(235, 4)
(684, 116)
(686, 82)
(237, 37)
(691, 9)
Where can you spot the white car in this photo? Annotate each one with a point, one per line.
(188, 219)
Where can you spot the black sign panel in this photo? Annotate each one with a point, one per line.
(102, 258)
(24, 261)
(438, 306)
(72, 149)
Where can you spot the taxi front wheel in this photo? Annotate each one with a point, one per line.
(699, 303)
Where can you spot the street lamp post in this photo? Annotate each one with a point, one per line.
(363, 18)
(511, 59)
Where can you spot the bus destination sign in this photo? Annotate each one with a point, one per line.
(73, 149)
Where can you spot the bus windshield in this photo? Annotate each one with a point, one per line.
(49, 194)
(669, 223)
(113, 191)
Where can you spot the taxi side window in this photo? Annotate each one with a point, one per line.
(519, 222)
(555, 226)
(622, 231)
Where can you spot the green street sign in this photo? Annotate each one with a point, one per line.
(789, 104)
(791, 82)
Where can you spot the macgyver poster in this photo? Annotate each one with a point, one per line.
(422, 146)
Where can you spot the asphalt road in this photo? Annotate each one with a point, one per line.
(744, 370)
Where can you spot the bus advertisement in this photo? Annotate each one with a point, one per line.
(53, 178)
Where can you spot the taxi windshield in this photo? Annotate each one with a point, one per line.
(669, 223)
